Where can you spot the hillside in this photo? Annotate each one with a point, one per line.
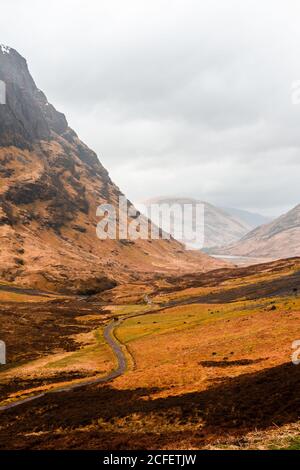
(51, 186)
(208, 364)
(276, 240)
(220, 227)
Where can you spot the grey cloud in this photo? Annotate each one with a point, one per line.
(184, 97)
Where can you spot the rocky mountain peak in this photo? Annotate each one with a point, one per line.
(5, 49)
(27, 116)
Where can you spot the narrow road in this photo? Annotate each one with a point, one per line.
(121, 368)
(118, 352)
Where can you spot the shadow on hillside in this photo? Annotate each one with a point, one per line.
(227, 363)
(282, 286)
(238, 405)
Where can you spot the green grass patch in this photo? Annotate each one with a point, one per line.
(131, 309)
(188, 316)
(292, 444)
(99, 351)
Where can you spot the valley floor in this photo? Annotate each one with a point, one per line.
(208, 364)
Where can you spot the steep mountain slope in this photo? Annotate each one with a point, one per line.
(51, 186)
(279, 239)
(220, 228)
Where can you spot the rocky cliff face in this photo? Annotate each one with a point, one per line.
(28, 116)
(51, 186)
(42, 159)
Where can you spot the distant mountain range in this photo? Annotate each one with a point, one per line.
(250, 218)
(278, 239)
(221, 226)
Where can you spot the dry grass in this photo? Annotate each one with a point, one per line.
(173, 349)
(93, 358)
(205, 375)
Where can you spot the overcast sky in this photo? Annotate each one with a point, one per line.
(186, 98)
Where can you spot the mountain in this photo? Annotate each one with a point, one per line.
(251, 219)
(220, 227)
(276, 240)
(51, 186)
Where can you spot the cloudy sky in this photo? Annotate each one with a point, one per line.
(178, 97)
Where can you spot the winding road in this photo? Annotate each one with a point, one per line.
(120, 370)
(110, 339)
